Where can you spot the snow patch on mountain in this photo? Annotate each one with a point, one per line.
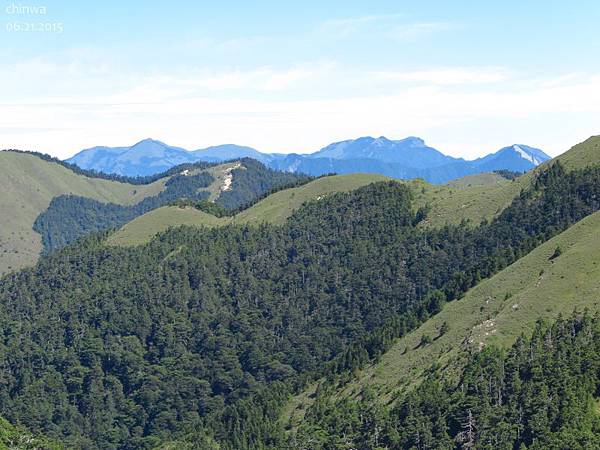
(526, 155)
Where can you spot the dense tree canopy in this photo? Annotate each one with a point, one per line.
(538, 395)
(70, 217)
(253, 181)
(203, 333)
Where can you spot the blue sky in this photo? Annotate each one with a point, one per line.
(468, 77)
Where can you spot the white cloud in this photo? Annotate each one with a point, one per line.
(266, 78)
(465, 110)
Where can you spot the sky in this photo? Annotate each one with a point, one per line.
(469, 77)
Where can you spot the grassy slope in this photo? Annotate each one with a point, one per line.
(582, 154)
(143, 228)
(14, 438)
(280, 205)
(496, 311)
(499, 309)
(476, 196)
(484, 196)
(480, 179)
(219, 173)
(461, 199)
(274, 209)
(28, 185)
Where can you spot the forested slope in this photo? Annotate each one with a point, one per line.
(46, 203)
(495, 312)
(231, 185)
(205, 333)
(557, 277)
(541, 393)
(275, 208)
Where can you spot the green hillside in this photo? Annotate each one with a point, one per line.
(279, 206)
(475, 197)
(472, 198)
(583, 154)
(496, 311)
(479, 179)
(235, 319)
(28, 185)
(143, 228)
(483, 196)
(13, 438)
(274, 209)
(464, 199)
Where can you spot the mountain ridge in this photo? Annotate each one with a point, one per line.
(233, 277)
(195, 295)
(148, 156)
(542, 285)
(33, 183)
(406, 158)
(472, 198)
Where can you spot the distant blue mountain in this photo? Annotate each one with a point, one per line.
(147, 157)
(406, 158)
(230, 151)
(517, 157)
(410, 152)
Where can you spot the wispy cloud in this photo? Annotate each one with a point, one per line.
(446, 76)
(262, 79)
(347, 26)
(413, 31)
(392, 26)
(303, 106)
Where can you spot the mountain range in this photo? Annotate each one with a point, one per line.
(344, 309)
(407, 158)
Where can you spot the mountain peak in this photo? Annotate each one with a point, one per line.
(410, 151)
(409, 157)
(413, 140)
(534, 155)
(515, 157)
(381, 141)
(149, 141)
